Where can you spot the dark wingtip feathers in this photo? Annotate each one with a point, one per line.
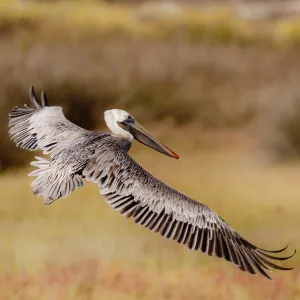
(276, 257)
(19, 122)
(33, 98)
(261, 256)
(44, 101)
(274, 251)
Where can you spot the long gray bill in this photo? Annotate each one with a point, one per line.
(144, 137)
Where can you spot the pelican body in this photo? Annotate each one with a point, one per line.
(78, 155)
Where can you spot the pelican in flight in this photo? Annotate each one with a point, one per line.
(77, 155)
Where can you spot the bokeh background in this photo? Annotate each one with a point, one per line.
(217, 81)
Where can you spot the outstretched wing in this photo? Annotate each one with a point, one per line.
(136, 193)
(43, 127)
(128, 187)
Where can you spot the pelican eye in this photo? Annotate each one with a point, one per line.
(130, 119)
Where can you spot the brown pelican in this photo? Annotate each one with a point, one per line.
(77, 154)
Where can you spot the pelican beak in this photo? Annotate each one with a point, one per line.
(144, 137)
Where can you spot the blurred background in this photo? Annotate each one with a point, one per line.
(217, 81)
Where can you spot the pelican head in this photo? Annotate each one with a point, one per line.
(122, 124)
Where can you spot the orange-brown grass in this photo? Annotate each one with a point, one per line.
(79, 248)
(91, 279)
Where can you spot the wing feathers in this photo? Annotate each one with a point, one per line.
(274, 251)
(276, 257)
(44, 99)
(127, 187)
(43, 127)
(33, 98)
(156, 206)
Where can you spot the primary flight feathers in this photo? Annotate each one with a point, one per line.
(77, 155)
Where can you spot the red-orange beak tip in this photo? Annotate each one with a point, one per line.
(175, 156)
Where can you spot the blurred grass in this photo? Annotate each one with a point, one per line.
(157, 21)
(165, 22)
(79, 248)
